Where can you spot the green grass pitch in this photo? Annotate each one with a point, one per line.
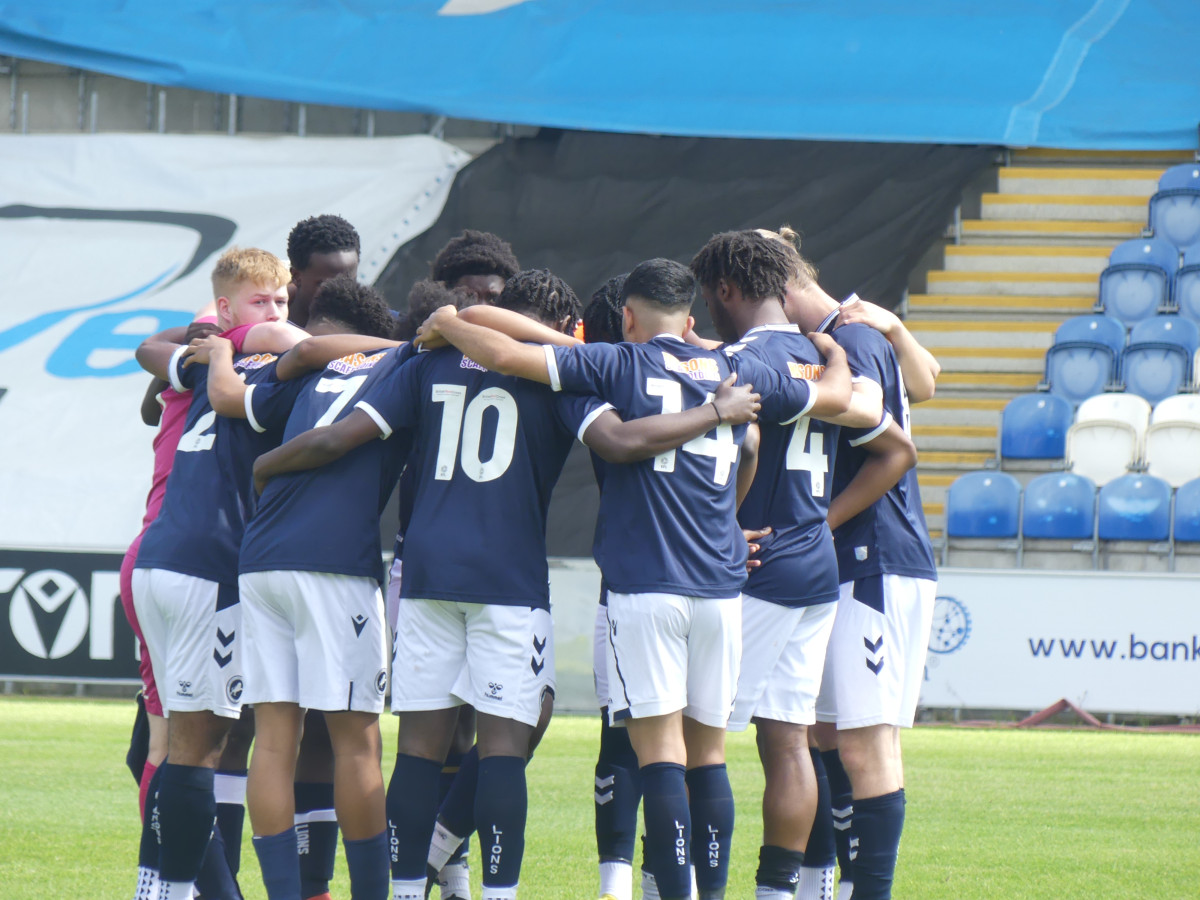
(992, 813)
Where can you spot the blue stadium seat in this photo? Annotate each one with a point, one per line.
(1187, 513)
(1135, 507)
(1186, 292)
(1158, 361)
(1170, 329)
(1034, 426)
(983, 505)
(1059, 505)
(1085, 356)
(1138, 279)
(1175, 208)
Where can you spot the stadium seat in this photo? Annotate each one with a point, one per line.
(1158, 361)
(1179, 408)
(1059, 505)
(1084, 357)
(1034, 426)
(1116, 407)
(983, 505)
(1135, 507)
(1185, 295)
(1175, 208)
(1187, 513)
(1103, 449)
(1138, 279)
(1173, 451)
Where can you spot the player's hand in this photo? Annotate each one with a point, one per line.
(202, 350)
(429, 335)
(825, 345)
(753, 535)
(736, 405)
(199, 330)
(864, 313)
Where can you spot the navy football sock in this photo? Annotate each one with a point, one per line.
(842, 806)
(367, 863)
(618, 793)
(229, 786)
(215, 881)
(277, 859)
(710, 801)
(668, 829)
(412, 799)
(778, 871)
(501, 805)
(316, 835)
(876, 825)
(148, 848)
(187, 810)
(821, 852)
(457, 809)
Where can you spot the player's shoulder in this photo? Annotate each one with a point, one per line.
(256, 366)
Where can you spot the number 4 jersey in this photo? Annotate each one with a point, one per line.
(487, 451)
(210, 492)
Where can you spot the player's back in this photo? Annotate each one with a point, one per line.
(327, 519)
(793, 482)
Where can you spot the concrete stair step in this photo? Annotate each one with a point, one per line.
(1020, 258)
(1093, 180)
(1010, 360)
(1085, 207)
(1003, 382)
(936, 333)
(957, 460)
(1048, 156)
(952, 444)
(1020, 284)
(940, 421)
(998, 307)
(964, 403)
(949, 429)
(1017, 231)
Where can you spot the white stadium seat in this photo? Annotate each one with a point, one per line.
(1173, 451)
(1180, 408)
(1116, 407)
(1102, 450)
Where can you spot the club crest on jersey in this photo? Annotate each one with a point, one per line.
(354, 362)
(468, 363)
(809, 371)
(256, 361)
(699, 368)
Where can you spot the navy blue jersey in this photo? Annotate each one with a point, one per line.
(327, 519)
(668, 524)
(210, 492)
(793, 484)
(488, 449)
(890, 537)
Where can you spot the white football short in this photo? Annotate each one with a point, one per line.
(392, 595)
(667, 652)
(600, 655)
(192, 629)
(314, 639)
(783, 656)
(498, 659)
(876, 658)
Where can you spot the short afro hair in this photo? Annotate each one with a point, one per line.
(541, 295)
(424, 297)
(664, 283)
(474, 253)
(602, 319)
(320, 234)
(758, 265)
(359, 307)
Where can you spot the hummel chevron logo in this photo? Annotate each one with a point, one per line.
(604, 797)
(359, 622)
(537, 665)
(222, 661)
(225, 639)
(539, 646)
(874, 648)
(875, 667)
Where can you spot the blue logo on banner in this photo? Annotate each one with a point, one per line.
(951, 626)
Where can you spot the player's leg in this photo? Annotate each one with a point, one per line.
(230, 787)
(316, 821)
(359, 796)
(817, 872)
(461, 750)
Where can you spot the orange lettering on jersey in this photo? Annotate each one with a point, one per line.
(700, 368)
(806, 370)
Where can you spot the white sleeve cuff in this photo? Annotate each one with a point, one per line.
(173, 371)
(552, 367)
(812, 399)
(384, 427)
(874, 432)
(589, 419)
(247, 400)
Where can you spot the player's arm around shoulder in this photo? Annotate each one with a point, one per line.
(891, 453)
(834, 388)
(314, 353)
(516, 326)
(272, 337)
(226, 390)
(317, 447)
(494, 351)
(918, 367)
(155, 352)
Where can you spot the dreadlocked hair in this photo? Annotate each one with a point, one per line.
(602, 319)
(542, 295)
(758, 265)
(320, 234)
(474, 253)
(423, 298)
(359, 307)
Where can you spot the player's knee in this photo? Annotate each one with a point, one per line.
(464, 730)
(780, 744)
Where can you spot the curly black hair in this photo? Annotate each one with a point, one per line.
(664, 282)
(602, 319)
(758, 265)
(359, 307)
(424, 297)
(474, 253)
(320, 234)
(542, 295)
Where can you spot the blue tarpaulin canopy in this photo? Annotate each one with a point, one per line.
(1109, 74)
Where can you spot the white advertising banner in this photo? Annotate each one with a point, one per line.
(1108, 641)
(110, 238)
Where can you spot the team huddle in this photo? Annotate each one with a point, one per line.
(760, 538)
